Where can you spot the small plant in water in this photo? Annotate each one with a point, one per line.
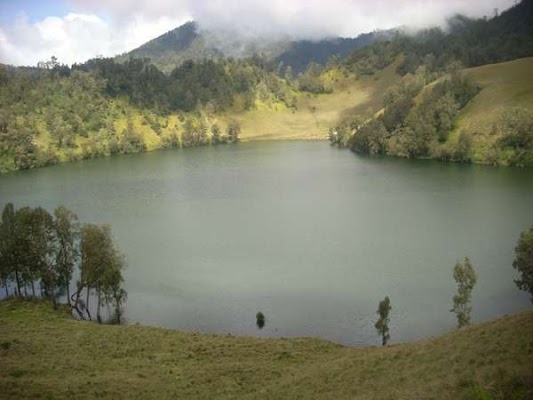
(260, 320)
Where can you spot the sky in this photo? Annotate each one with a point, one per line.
(77, 30)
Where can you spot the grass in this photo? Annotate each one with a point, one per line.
(315, 114)
(45, 354)
(504, 86)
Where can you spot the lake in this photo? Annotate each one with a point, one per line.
(312, 236)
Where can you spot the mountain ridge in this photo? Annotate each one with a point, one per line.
(190, 42)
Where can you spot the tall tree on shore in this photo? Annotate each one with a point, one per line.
(33, 248)
(101, 267)
(523, 261)
(66, 235)
(234, 130)
(114, 294)
(382, 324)
(465, 277)
(41, 240)
(25, 270)
(7, 247)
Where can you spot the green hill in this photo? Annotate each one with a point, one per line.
(503, 86)
(45, 354)
(480, 115)
(315, 114)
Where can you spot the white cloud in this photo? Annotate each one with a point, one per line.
(298, 18)
(109, 27)
(76, 37)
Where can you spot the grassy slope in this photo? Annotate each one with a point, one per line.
(317, 113)
(504, 86)
(48, 355)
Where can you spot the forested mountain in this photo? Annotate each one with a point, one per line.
(189, 42)
(469, 42)
(57, 113)
(420, 121)
(301, 53)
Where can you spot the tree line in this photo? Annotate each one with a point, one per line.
(57, 115)
(466, 277)
(40, 253)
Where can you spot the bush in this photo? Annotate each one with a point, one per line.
(260, 320)
(462, 151)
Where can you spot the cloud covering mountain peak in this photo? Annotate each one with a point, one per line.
(88, 28)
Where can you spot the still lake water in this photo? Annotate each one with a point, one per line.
(310, 235)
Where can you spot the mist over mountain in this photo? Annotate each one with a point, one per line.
(191, 42)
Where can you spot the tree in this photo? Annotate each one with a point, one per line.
(131, 141)
(523, 261)
(66, 234)
(260, 320)
(465, 277)
(289, 76)
(234, 129)
(194, 132)
(41, 250)
(33, 232)
(462, 151)
(111, 289)
(215, 134)
(7, 246)
(382, 324)
(25, 269)
(101, 268)
(25, 248)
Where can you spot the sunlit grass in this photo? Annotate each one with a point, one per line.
(503, 87)
(316, 114)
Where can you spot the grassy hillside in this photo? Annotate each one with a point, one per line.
(479, 115)
(316, 114)
(45, 354)
(503, 86)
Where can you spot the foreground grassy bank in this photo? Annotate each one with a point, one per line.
(45, 354)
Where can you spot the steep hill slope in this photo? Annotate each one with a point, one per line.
(503, 85)
(504, 88)
(44, 354)
(480, 115)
